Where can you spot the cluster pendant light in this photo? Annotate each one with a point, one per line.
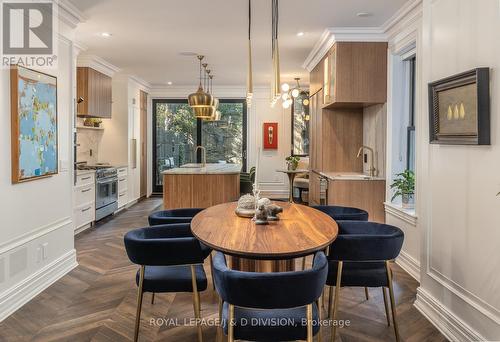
(203, 103)
(217, 114)
(290, 93)
(250, 71)
(275, 82)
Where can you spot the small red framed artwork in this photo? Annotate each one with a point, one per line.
(270, 136)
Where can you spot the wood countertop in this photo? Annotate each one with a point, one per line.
(196, 169)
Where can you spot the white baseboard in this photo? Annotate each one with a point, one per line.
(14, 298)
(281, 194)
(409, 264)
(451, 326)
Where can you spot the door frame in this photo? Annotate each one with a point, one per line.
(159, 189)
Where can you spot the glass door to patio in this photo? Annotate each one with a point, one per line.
(176, 133)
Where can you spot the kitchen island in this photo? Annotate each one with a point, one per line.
(200, 186)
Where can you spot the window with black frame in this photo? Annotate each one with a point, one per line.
(410, 154)
(300, 125)
(177, 132)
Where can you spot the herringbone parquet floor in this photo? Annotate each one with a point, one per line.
(96, 301)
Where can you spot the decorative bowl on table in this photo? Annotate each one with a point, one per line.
(246, 206)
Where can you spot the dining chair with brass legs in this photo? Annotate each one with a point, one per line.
(340, 213)
(280, 306)
(177, 216)
(170, 260)
(360, 257)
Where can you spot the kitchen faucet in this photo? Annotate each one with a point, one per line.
(372, 168)
(203, 155)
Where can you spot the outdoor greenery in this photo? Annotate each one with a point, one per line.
(176, 135)
(404, 184)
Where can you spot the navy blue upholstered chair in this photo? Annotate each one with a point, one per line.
(339, 213)
(183, 215)
(171, 260)
(360, 256)
(177, 216)
(270, 297)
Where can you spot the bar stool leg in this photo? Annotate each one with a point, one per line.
(366, 293)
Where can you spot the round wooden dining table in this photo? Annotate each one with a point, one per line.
(300, 231)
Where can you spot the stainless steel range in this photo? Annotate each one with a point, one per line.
(106, 189)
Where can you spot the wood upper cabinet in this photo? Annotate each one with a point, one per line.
(95, 89)
(316, 79)
(355, 74)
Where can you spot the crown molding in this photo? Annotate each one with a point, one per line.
(97, 63)
(79, 47)
(332, 35)
(143, 83)
(409, 13)
(69, 13)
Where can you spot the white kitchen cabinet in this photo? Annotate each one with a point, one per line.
(122, 187)
(84, 201)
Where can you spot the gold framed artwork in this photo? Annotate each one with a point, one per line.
(34, 145)
(459, 109)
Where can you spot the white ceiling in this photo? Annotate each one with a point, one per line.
(149, 35)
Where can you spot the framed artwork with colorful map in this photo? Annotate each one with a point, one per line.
(33, 124)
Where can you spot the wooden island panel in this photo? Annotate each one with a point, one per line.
(199, 190)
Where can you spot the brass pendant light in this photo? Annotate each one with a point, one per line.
(201, 102)
(250, 71)
(275, 79)
(216, 116)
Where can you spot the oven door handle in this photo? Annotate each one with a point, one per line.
(107, 180)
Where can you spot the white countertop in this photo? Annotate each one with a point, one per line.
(189, 169)
(349, 176)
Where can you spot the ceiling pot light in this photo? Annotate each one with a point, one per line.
(169, 83)
(106, 34)
(300, 34)
(364, 14)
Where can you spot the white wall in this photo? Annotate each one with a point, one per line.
(272, 183)
(458, 209)
(39, 212)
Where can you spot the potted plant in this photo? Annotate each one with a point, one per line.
(404, 186)
(97, 122)
(292, 162)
